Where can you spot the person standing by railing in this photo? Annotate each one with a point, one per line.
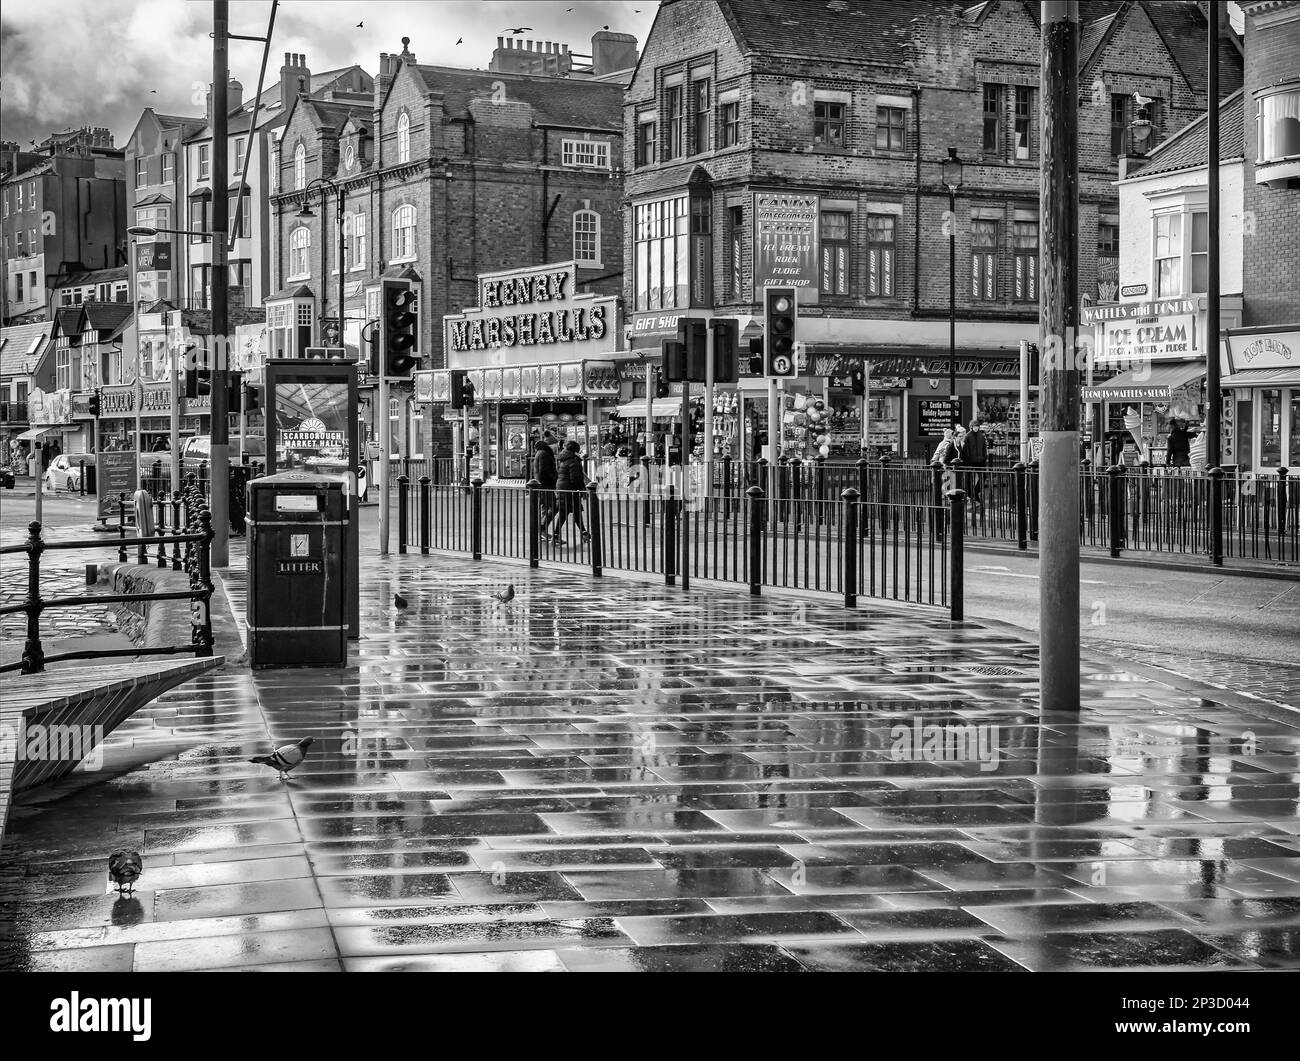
(570, 485)
(544, 472)
(974, 453)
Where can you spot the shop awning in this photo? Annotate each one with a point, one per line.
(1264, 377)
(664, 409)
(1151, 383)
(33, 432)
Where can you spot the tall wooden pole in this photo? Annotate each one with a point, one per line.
(1213, 449)
(1059, 325)
(219, 499)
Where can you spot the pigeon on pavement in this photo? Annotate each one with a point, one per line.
(507, 596)
(399, 601)
(286, 758)
(124, 869)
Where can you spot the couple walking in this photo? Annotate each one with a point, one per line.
(563, 482)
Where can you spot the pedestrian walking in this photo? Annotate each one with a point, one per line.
(570, 485)
(946, 451)
(1178, 453)
(545, 473)
(973, 450)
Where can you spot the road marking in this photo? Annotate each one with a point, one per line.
(1012, 574)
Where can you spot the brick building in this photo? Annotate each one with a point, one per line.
(756, 128)
(443, 174)
(1263, 370)
(63, 213)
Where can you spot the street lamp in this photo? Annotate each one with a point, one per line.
(952, 167)
(306, 213)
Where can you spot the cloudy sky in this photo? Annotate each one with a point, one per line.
(68, 63)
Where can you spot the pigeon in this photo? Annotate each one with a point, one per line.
(507, 596)
(124, 869)
(286, 758)
(399, 601)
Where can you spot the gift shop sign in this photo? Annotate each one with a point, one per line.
(532, 311)
(786, 249)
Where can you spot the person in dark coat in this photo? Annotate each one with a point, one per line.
(544, 473)
(1179, 451)
(973, 451)
(570, 485)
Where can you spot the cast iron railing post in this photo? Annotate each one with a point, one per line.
(820, 487)
(670, 535)
(176, 529)
(648, 492)
(884, 498)
(757, 528)
(426, 501)
(1022, 504)
(403, 506)
(1115, 491)
(761, 481)
(121, 528)
(1216, 516)
(532, 494)
(160, 521)
(726, 487)
(936, 498)
(864, 482)
(849, 545)
(796, 492)
(81, 484)
(593, 521)
(203, 630)
(33, 654)
(476, 524)
(956, 561)
(1282, 474)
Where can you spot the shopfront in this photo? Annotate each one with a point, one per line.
(1157, 347)
(540, 357)
(1261, 383)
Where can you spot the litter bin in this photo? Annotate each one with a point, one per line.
(297, 549)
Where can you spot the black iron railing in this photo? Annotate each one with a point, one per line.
(882, 550)
(190, 538)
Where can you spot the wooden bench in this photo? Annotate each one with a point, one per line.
(50, 722)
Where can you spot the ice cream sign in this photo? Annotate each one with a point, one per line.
(1149, 339)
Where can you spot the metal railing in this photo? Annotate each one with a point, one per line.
(190, 523)
(882, 550)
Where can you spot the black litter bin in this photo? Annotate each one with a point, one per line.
(297, 550)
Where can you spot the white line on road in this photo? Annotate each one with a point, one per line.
(1012, 574)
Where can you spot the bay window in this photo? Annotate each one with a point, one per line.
(661, 265)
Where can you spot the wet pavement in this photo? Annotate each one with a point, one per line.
(611, 775)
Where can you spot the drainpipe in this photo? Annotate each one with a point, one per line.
(916, 228)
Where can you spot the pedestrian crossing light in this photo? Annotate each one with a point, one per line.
(661, 385)
(726, 336)
(461, 395)
(401, 328)
(756, 356)
(94, 403)
(781, 311)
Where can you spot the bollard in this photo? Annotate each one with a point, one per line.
(884, 493)
(476, 524)
(403, 502)
(757, 521)
(726, 487)
(532, 494)
(1022, 505)
(1033, 500)
(82, 479)
(92, 574)
(121, 528)
(425, 505)
(849, 546)
(780, 493)
(1115, 490)
(956, 562)
(176, 529)
(33, 655)
(593, 521)
(1282, 474)
(670, 536)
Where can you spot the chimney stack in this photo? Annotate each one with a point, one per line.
(235, 94)
(293, 74)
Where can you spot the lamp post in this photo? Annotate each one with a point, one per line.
(952, 167)
(306, 213)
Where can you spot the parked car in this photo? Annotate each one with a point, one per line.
(197, 450)
(64, 472)
(6, 478)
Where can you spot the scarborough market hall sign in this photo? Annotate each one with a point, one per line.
(533, 311)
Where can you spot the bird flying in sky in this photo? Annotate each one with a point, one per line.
(516, 30)
(286, 758)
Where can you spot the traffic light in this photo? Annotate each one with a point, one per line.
(252, 398)
(692, 335)
(94, 402)
(674, 360)
(661, 385)
(756, 356)
(461, 395)
(401, 328)
(198, 382)
(726, 336)
(1035, 365)
(780, 313)
(234, 396)
(859, 382)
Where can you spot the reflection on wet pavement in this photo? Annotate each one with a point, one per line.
(608, 775)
